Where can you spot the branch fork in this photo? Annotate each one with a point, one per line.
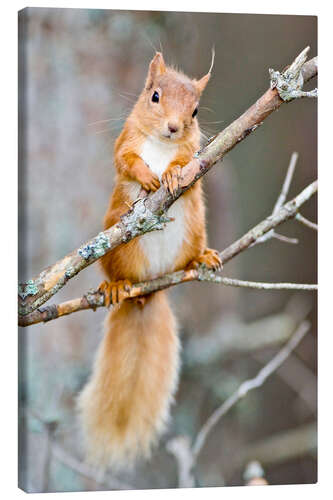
(290, 82)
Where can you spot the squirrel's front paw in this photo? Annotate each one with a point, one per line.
(171, 178)
(210, 258)
(115, 291)
(148, 180)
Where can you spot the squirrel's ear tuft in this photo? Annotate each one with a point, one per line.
(157, 67)
(201, 84)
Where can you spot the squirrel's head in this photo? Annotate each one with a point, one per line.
(168, 104)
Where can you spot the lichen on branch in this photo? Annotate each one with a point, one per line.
(290, 82)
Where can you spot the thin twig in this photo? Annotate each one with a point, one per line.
(299, 377)
(147, 214)
(287, 181)
(180, 447)
(286, 212)
(285, 239)
(306, 222)
(279, 202)
(261, 286)
(249, 385)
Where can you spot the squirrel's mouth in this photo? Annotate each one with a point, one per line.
(170, 137)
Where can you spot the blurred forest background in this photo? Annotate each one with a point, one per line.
(80, 73)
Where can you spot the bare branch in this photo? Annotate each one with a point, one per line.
(285, 239)
(249, 385)
(260, 286)
(147, 214)
(310, 69)
(286, 212)
(180, 447)
(280, 201)
(94, 298)
(298, 376)
(306, 222)
(186, 455)
(287, 181)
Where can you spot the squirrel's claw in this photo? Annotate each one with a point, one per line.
(115, 291)
(171, 178)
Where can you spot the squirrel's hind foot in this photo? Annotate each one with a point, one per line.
(115, 291)
(210, 258)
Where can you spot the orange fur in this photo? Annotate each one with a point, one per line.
(125, 405)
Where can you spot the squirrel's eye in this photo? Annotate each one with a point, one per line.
(195, 112)
(155, 97)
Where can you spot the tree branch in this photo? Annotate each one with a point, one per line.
(180, 448)
(279, 202)
(289, 84)
(94, 298)
(306, 222)
(147, 213)
(249, 385)
(192, 453)
(286, 212)
(286, 184)
(255, 285)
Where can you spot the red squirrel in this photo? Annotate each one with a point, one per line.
(125, 405)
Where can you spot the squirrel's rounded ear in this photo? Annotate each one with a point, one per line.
(201, 84)
(157, 67)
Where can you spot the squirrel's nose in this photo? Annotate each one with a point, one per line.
(172, 128)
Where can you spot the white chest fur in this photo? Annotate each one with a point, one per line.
(157, 155)
(162, 247)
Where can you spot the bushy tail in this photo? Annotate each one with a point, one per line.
(125, 405)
